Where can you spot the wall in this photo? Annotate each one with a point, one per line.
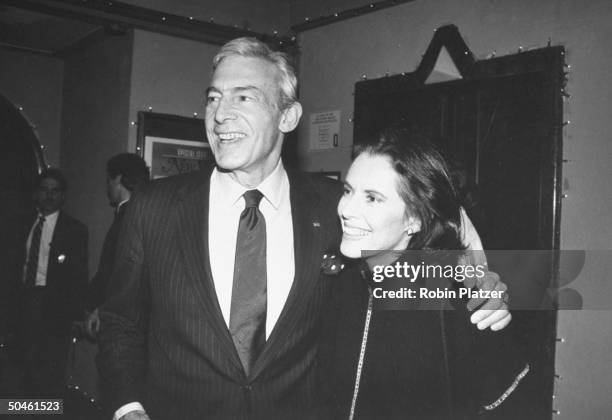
(105, 85)
(170, 75)
(334, 57)
(94, 127)
(34, 82)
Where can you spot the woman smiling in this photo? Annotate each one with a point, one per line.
(425, 361)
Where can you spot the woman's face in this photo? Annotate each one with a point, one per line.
(372, 213)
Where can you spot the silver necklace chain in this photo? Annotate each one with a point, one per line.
(364, 341)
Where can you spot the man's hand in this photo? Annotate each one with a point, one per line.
(135, 415)
(92, 324)
(494, 313)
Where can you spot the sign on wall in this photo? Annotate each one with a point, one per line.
(324, 130)
(167, 157)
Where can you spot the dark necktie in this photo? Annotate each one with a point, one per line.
(249, 290)
(32, 264)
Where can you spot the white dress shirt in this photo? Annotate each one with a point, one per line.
(120, 205)
(225, 206)
(45, 247)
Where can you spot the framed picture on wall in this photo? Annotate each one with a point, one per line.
(171, 144)
(167, 157)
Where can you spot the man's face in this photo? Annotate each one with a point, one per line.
(243, 123)
(113, 190)
(49, 196)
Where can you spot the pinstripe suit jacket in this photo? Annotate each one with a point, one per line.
(164, 341)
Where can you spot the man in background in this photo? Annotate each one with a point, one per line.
(46, 278)
(125, 174)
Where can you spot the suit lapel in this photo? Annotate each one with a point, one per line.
(63, 230)
(307, 246)
(193, 243)
(26, 227)
(26, 224)
(60, 229)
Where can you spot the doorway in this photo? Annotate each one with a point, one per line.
(500, 121)
(20, 161)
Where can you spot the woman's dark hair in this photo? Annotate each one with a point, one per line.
(424, 185)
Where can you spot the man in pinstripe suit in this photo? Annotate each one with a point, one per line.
(165, 344)
(168, 348)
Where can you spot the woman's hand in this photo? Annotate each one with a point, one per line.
(495, 319)
(494, 312)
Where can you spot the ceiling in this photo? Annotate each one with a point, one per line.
(55, 27)
(40, 33)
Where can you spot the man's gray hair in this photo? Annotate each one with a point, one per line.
(253, 48)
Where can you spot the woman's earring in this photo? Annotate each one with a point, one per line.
(409, 231)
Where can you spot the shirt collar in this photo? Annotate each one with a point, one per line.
(270, 187)
(118, 208)
(52, 217)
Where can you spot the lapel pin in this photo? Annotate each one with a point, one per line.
(61, 258)
(331, 264)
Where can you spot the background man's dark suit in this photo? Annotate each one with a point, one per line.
(173, 351)
(41, 345)
(99, 283)
(125, 172)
